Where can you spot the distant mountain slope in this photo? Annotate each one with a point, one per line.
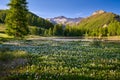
(100, 20)
(33, 19)
(64, 20)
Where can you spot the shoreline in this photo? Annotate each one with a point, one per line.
(79, 38)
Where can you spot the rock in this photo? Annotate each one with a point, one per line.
(98, 12)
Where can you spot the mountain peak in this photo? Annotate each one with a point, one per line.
(60, 17)
(64, 20)
(98, 12)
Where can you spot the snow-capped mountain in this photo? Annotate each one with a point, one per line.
(64, 20)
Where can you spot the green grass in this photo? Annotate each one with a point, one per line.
(3, 35)
(2, 27)
(6, 54)
(11, 60)
(58, 60)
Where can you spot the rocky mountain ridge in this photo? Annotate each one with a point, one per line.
(64, 20)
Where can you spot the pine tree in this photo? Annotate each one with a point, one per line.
(50, 32)
(58, 30)
(16, 20)
(66, 31)
(46, 32)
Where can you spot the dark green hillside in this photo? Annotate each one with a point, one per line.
(33, 20)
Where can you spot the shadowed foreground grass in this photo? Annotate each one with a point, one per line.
(10, 60)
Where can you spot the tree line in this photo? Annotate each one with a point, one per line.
(112, 29)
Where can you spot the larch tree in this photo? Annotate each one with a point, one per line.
(16, 20)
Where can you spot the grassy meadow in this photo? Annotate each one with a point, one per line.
(59, 60)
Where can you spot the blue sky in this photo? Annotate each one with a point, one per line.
(68, 8)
